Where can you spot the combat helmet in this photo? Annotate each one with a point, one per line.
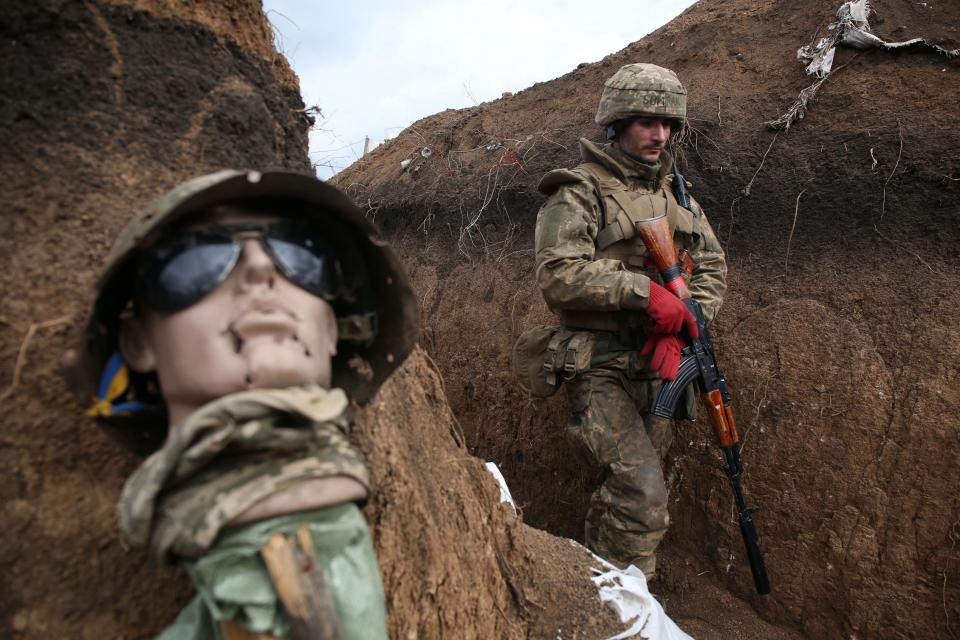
(377, 325)
(642, 89)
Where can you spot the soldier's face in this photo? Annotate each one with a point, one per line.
(256, 329)
(645, 138)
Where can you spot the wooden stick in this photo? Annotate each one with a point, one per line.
(299, 583)
(233, 630)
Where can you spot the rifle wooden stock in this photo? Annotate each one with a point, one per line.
(657, 237)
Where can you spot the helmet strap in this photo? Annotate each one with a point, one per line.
(615, 129)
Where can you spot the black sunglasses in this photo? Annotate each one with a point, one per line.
(176, 273)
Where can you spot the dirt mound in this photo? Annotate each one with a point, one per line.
(835, 336)
(842, 241)
(105, 107)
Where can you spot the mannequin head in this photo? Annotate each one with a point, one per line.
(271, 274)
(254, 329)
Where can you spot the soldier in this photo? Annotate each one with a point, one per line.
(622, 331)
(236, 318)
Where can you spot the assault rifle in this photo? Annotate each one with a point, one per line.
(698, 366)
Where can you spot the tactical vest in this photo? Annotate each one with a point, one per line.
(617, 239)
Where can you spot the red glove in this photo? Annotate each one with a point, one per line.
(668, 313)
(666, 354)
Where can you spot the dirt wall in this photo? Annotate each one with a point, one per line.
(105, 106)
(842, 245)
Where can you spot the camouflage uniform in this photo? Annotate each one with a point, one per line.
(594, 273)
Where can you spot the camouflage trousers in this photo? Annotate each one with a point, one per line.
(611, 427)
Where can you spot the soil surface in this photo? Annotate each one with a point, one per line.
(836, 335)
(105, 106)
(842, 240)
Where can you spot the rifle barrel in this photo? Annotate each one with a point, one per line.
(733, 466)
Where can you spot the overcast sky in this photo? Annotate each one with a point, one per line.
(375, 67)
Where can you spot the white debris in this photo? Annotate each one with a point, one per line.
(405, 163)
(852, 29)
(504, 489)
(626, 591)
(821, 63)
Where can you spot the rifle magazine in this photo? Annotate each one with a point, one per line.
(669, 394)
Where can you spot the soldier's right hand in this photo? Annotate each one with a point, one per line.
(669, 314)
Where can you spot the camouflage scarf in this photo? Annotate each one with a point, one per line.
(230, 454)
(634, 167)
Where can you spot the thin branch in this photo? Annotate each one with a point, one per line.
(466, 89)
(733, 221)
(544, 136)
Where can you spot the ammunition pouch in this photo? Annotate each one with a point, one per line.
(546, 356)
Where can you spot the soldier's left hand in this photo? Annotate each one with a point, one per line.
(665, 358)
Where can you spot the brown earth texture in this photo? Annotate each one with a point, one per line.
(837, 334)
(841, 236)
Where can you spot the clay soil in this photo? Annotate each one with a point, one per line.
(841, 237)
(106, 105)
(837, 335)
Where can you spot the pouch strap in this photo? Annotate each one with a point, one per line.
(622, 229)
(570, 358)
(549, 364)
(630, 213)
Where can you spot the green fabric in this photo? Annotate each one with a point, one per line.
(193, 623)
(232, 581)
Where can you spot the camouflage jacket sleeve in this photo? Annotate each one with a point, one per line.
(567, 273)
(709, 281)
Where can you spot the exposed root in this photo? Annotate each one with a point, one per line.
(796, 209)
(746, 189)
(954, 536)
(912, 253)
(22, 354)
(278, 40)
(883, 203)
(455, 429)
(733, 221)
(756, 414)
